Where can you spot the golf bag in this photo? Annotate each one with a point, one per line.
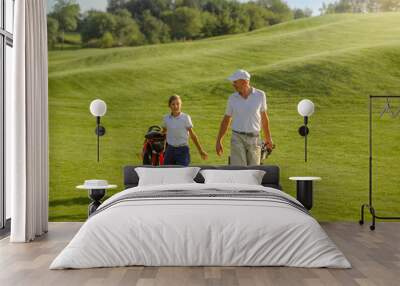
(153, 147)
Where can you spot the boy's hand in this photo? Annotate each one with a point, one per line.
(204, 155)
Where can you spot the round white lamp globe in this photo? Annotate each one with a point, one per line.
(305, 107)
(98, 107)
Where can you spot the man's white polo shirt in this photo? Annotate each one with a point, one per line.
(177, 129)
(245, 113)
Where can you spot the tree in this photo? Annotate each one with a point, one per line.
(233, 19)
(184, 23)
(241, 20)
(361, 6)
(126, 30)
(258, 15)
(343, 6)
(300, 13)
(209, 24)
(106, 40)
(308, 12)
(215, 7)
(225, 24)
(95, 24)
(155, 30)
(115, 5)
(66, 12)
(373, 5)
(52, 32)
(155, 7)
(188, 3)
(328, 8)
(281, 11)
(389, 5)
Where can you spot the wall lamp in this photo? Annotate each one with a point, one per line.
(98, 108)
(305, 109)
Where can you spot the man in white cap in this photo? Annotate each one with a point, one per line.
(247, 108)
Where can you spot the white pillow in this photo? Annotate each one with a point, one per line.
(166, 176)
(248, 177)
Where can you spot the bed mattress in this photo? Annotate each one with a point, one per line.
(201, 225)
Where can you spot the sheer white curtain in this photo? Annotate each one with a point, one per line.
(27, 124)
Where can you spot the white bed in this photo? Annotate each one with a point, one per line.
(201, 231)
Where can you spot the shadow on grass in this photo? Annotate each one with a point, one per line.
(68, 218)
(69, 202)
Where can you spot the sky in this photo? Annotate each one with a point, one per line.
(102, 4)
(313, 4)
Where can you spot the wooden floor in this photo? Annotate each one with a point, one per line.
(375, 257)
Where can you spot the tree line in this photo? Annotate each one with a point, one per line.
(361, 6)
(140, 22)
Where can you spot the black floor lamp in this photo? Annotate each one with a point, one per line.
(305, 109)
(98, 108)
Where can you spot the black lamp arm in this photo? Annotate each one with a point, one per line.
(99, 131)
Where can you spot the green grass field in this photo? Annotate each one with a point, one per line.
(72, 41)
(336, 61)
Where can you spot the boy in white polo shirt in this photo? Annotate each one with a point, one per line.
(247, 108)
(178, 127)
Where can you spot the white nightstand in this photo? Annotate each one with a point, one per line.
(96, 191)
(304, 190)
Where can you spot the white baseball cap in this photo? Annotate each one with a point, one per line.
(239, 74)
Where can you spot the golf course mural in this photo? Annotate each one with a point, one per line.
(335, 60)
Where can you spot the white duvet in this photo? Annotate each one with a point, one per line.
(200, 231)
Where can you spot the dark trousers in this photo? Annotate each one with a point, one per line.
(177, 156)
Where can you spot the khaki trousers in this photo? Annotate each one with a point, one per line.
(245, 150)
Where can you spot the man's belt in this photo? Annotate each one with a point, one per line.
(250, 134)
(179, 145)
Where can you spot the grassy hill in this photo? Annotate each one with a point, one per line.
(336, 61)
(72, 41)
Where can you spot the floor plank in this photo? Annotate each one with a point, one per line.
(375, 257)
